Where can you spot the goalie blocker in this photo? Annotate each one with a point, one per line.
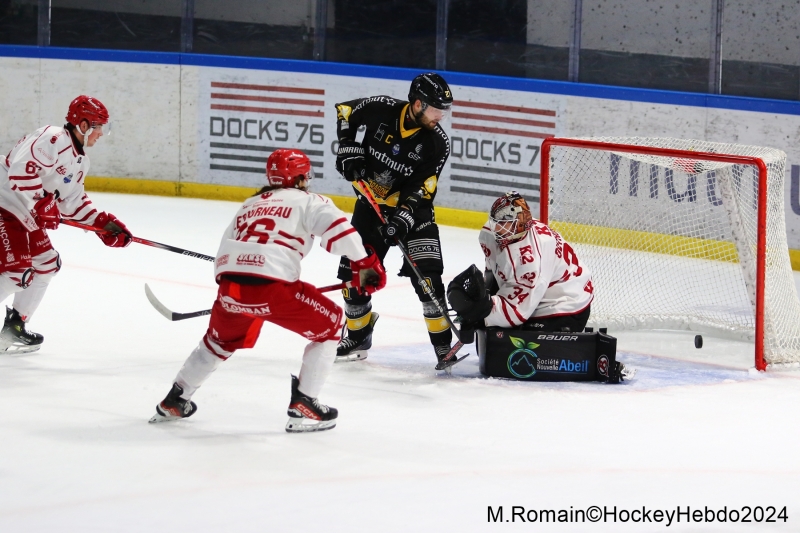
(548, 356)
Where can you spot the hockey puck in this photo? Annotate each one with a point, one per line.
(698, 341)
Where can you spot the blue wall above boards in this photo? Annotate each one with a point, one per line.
(761, 105)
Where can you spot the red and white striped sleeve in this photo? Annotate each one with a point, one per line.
(78, 208)
(336, 234)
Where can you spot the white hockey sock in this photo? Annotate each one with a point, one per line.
(318, 359)
(199, 365)
(7, 287)
(27, 301)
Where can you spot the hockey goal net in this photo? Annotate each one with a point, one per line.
(679, 234)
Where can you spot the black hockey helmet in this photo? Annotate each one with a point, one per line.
(431, 89)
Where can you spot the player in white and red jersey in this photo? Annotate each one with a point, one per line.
(258, 271)
(541, 285)
(41, 181)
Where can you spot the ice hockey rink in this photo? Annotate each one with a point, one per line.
(414, 449)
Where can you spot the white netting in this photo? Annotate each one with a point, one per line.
(671, 241)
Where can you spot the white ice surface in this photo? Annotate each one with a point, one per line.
(415, 450)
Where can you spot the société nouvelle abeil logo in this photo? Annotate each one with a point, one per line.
(522, 361)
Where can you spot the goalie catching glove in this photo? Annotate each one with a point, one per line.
(469, 298)
(116, 233)
(350, 160)
(368, 273)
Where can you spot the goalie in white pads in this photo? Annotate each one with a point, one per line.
(536, 283)
(41, 181)
(258, 271)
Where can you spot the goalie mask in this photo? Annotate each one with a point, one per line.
(288, 169)
(511, 218)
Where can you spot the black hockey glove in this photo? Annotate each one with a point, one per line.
(398, 226)
(469, 298)
(350, 160)
(412, 201)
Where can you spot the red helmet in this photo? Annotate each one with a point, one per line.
(89, 109)
(285, 166)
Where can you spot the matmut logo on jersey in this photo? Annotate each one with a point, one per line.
(256, 260)
(232, 306)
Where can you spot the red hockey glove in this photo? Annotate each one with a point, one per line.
(46, 212)
(118, 237)
(368, 273)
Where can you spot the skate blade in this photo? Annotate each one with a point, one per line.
(306, 425)
(447, 365)
(355, 356)
(20, 348)
(157, 418)
(161, 416)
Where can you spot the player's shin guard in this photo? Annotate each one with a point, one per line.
(195, 371)
(27, 301)
(360, 322)
(317, 363)
(46, 266)
(438, 329)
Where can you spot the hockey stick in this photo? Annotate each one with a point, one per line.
(146, 242)
(363, 188)
(173, 316)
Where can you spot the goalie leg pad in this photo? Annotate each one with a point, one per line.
(548, 356)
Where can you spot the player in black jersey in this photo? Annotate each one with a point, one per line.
(398, 149)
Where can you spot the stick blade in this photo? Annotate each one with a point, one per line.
(158, 305)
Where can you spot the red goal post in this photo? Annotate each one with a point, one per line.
(643, 148)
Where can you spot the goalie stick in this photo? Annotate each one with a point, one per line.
(146, 242)
(173, 316)
(447, 361)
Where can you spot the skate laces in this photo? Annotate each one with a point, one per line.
(322, 407)
(347, 342)
(441, 351)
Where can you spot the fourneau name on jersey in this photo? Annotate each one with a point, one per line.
(270, 211)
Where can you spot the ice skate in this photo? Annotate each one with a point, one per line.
(441, 352)
(621, 373)
(625, 372)
(173, 407)
(15, 338)
(307, 414)
(356, 347)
